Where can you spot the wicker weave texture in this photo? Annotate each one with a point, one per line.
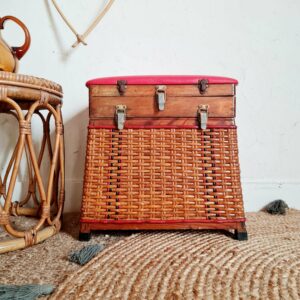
(162, 174)
(26, 80)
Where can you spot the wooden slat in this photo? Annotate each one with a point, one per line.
(172, 90)
(175, 106)
(152, 122)
(87, 227)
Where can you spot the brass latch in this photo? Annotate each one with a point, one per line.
(203, 116)
(161, 96)
(122, 85)
(202, 85)
(120, 116)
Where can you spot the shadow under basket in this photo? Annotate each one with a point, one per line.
(160, 176)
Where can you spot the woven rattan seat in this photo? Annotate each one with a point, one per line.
(30, 81)
(29, 88)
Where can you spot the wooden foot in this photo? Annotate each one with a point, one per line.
(241, 234)
(85, 232)
(84, 236)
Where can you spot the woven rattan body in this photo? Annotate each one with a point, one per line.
(22, 97)
(164, 173)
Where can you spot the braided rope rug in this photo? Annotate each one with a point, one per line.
(196, 265)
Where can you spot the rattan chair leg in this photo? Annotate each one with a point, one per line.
(42, 209)
(19, 243)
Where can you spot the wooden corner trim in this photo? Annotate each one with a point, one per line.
(163, 127)
(239, 220)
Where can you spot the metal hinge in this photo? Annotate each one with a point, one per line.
(122, 85)
(202, 85)
(120, 116)
(203, 116)
(161, 96)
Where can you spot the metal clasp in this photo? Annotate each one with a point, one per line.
(120, 116)
(161, 96)
(203, 116)
(203, 85)
(122, 85)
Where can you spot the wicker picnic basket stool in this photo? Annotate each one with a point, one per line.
(22, 97)
(162, 153)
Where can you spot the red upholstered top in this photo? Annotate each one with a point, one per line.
(162, 79)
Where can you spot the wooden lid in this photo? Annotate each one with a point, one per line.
(162, 79)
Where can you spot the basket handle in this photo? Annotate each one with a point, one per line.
(19, 52)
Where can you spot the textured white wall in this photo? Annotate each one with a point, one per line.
(257, 42)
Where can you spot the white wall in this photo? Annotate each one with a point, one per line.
(257, 42)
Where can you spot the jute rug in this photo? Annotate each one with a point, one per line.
(47, 263)
(196, 265)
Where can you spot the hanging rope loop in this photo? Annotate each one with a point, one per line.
(81, 37)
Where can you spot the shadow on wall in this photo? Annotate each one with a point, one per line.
(75, 145)
(65, 52)
(8, 139)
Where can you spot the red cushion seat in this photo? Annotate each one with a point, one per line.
(162, 79)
